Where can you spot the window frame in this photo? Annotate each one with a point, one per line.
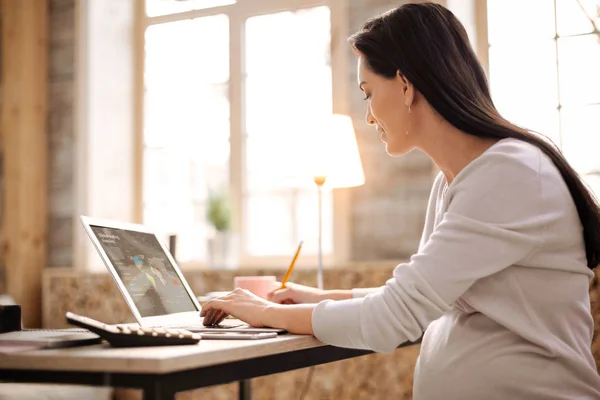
(238, 13)
(484, 49)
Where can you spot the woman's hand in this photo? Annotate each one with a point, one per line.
(240, 304)
(259, 312)
(296, 294)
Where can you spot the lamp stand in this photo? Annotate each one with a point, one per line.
(320, 181)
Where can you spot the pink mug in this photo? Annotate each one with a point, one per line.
(259, 285)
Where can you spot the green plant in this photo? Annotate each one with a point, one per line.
(218, 212)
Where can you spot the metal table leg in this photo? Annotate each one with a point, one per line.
(157, 391)
(245, 392)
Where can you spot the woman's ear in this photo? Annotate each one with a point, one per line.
(408, 90)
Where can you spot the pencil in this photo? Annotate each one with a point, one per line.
(289, 271)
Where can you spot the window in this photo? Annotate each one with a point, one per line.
(225, 85)
(288, 78)
(186, 120)
(156, 8)
(544, 61)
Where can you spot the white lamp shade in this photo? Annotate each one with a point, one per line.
(328, 149)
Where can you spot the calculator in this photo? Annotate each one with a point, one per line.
(133, 335)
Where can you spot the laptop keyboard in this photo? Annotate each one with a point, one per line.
(225, 324)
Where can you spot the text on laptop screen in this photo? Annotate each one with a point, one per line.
(145, 271)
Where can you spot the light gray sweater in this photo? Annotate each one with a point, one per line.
(499, 285)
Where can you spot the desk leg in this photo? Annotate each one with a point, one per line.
(157, 391)
(245, 390)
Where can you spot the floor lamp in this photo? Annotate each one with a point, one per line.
(320, 182)
(336, 164)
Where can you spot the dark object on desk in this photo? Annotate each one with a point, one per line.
(132, 336)
(10, 318)
(173, 246)
(48, 338)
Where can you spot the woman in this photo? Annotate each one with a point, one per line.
(500, 281)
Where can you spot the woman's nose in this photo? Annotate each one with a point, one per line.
(369, 117)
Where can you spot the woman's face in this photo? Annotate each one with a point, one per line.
(387, 107)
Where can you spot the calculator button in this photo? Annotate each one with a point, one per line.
(124, 329)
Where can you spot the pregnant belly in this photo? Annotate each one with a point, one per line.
(468, 356)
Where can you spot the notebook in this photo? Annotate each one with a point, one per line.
(47, 338)
(150, 280)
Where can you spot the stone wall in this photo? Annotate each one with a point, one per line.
(388, 211)
(61, 83)
(61, 86)
(61, 137)
(2, 281)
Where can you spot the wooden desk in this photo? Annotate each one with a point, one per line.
(163, 371)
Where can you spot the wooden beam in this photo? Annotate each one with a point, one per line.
(24, 30)
(482, 39)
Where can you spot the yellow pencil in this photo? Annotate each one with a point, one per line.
(289, 271)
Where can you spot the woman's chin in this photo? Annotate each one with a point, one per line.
(395, 149)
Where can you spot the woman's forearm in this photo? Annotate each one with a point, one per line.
(293, 318)
(297, 318)
(337, 295)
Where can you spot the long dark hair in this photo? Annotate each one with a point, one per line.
(430, 47)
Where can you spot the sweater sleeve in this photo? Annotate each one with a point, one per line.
(489, 225)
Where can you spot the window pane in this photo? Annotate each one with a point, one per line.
(540, 120)
(526, 92)
(581, 137)
(288, 81)
(156, 173)
(288, 74)
(308, 222)
(277, 222)
(593, 182)
(517, 21)
(531, 80)
(162, 7)
(186, 127)
(269, 225)
(573, 16)
(579, 65)
(272, 162)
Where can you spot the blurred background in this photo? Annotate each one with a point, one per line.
(154, 104)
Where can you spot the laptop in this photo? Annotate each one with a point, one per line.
(149, 279)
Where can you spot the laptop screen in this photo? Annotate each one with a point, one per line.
(145, 271)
